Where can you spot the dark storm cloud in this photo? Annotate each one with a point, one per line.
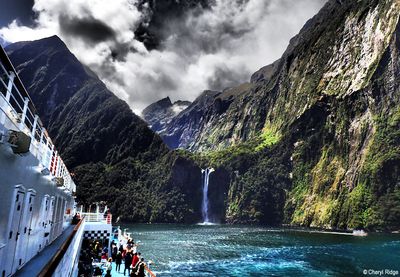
(88, 28)
(20, 10)
(145, 50)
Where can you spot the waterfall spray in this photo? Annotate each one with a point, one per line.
(204, 206)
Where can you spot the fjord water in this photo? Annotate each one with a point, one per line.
(222, 250)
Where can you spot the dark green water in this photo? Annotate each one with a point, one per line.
(220, 250)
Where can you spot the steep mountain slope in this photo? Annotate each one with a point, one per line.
(72, 100)
(182, 128)
(335, 104)
(335, 53)
(314, 138)
(159, 114)
(108, 148)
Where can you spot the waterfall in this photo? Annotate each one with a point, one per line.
(204, 206)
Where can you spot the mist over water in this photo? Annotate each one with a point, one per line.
(221, 250)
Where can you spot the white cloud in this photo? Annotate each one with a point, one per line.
(219, 47)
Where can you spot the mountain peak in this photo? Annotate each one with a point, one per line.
(160, 113)
(160, 104)
(48, 43)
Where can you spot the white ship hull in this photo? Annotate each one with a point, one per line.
(32, 208)
(36, 189)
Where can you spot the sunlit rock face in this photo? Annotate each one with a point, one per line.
(336, 53)
(331, 104)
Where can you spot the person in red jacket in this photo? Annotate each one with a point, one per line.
(135, 260)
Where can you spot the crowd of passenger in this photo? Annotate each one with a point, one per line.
(95, 261)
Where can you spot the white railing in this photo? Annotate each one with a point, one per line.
(97, 217)
(65, 262)
(17, 111)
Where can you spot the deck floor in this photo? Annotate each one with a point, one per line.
(115, 273)
(35, 266)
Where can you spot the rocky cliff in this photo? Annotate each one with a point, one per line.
(314, 137)
(159, 114)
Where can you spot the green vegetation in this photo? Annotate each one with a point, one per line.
(269, 138)
(250, 148)
(138, 191)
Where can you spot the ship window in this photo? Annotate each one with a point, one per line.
(19, 207)
(17, 198)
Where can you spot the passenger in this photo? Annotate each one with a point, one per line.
(141, 267)
(128, 262)
(97, 250)
(129, 244)
(114, 250)
(134, 248)
(121, 246)
(104, 257)
(135, 261)
(118, 261)
(109, 267)
(75, 219)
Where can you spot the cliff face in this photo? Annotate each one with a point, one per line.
(336, 53)
(340, 74)
(105, 145)
(318, 130)
(160, 114)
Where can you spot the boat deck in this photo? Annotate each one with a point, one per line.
(36, 265)
(115, 273)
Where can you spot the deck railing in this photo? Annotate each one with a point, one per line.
(67, 255)
(18, 112)
(97, 217)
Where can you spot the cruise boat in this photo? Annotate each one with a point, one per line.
(36, 188)
(37, 234)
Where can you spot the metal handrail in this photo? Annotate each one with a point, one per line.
(97, 217)
(46, 151)
(52, 265)
(149, 271)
